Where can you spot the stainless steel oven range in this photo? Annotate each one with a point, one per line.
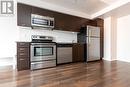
(43, 52)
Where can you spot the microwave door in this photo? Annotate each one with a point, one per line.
(40, 22)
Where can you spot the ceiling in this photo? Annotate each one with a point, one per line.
(118, 12)
(89, 9)
(86, 6)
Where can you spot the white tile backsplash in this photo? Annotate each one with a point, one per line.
(59, 36)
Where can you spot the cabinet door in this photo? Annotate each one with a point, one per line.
(68, 23)
(101, 48)
(78, 53)
(43, 12)
(23, 15)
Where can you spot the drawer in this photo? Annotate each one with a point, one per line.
(43, 64)
(23, 64)
(23, 44)
(23, 50)
(23, 55)
(23, 59)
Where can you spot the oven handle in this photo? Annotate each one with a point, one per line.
(43, 43)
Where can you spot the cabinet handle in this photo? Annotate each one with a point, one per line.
(21, 54)
(21, 49)
(22, 43)
(23, 24)
(22, 59)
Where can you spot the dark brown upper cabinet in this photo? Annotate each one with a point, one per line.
(100, 23)
(63, 22)
(70, 23)
(43, 12)
(92, 23)
(24, 15)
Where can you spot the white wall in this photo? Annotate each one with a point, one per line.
(8, 35)
(113, 38)
(117, 38)
(123, 38)
(110, 38)
(120, 33)
(107, 38)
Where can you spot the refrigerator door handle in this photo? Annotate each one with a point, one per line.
(90, 32)
(87, 51)
(89, 38)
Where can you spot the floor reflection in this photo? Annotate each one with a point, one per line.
(94, 74)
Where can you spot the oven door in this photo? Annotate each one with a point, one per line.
(42, 52)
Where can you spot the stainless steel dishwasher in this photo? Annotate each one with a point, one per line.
(64, 53)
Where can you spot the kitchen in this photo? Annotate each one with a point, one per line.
(38, 19)
(48, 43)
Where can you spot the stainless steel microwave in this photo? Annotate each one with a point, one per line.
(42, 21)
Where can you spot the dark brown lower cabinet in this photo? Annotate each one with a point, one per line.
(78, 53)
(23, 56)
(101, 48)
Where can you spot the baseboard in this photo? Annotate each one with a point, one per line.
(123, 60)
(7, 61)
(109, 59)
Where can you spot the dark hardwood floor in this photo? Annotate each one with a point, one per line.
(94, 74)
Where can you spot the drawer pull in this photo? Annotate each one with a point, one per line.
(21, 54)
(22, 59)
(23, 24)
(21, 49)
(22, 43)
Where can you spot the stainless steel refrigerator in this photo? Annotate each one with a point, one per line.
(92, 43)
